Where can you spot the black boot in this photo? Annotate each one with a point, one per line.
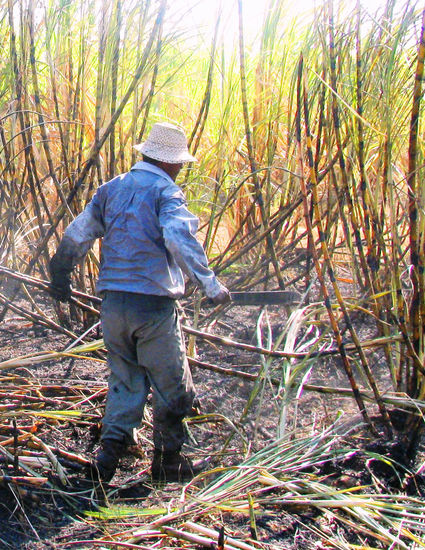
(171, 466)
(107, 460)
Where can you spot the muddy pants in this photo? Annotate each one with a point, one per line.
(145, 351)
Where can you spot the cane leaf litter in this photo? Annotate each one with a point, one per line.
(310, 146)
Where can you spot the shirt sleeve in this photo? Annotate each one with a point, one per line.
(79, 236)
(179, 227)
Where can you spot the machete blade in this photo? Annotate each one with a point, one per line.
(265, 297)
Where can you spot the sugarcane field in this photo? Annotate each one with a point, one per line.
(212, 274)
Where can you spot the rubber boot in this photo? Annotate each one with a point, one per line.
(171, 466)
(107, 460)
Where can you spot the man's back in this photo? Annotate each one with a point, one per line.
(148, 233)
(133, 209)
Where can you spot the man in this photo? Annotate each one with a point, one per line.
(148, 239)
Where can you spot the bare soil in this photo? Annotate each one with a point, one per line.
(35, 518)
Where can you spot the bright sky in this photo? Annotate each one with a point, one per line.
(201, 14)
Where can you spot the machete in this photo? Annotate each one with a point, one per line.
(265, 298)
(242, 298)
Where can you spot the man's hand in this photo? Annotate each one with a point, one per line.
(60, 290)
(223, 297)
(60, 287)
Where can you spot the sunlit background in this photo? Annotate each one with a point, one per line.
(201, 15)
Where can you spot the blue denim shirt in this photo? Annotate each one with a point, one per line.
(148, 236)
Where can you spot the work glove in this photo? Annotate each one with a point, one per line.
(60, 291)
(60, 286)
(223, 296)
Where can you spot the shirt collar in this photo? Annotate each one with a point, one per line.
(148, 167)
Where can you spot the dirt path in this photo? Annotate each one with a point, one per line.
(43, 518)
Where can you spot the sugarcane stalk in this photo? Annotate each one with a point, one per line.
(25, 128)
(114, 81)
(320, 124)
(396, 399)
(23, 480)
(81, 112)
(69, 67)
(98, 145)
(41, 118)
(31, 398)
(355, 227)
(199, 126)
(283, 214)
(416, 383)
(202, 540)
(113, 543)
(251, 155)
(36, 318)
(148, 99)
(214, 534)
(54, 88)
(376, 246)
(100, 89)
(19, 93)
(52, 458)
(361, 146)
(315, 203)
(257, 238)
(342, 165)
(60, 211)
(310, 240)
(416, 254)
(43, 285)
(145, 105)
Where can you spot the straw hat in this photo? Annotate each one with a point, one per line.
(166, 143)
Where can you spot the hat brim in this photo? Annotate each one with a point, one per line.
(164, 153)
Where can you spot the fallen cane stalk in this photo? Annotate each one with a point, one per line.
(72, 457)
(215, 535)
(32, 461)
(398, 399)
(103, 543)
(23, 480)
(24, 467)
(44, 285)
(10, 440)
(36, 318)
(203, 541)
(55, 463)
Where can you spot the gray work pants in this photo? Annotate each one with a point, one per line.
(145, 350)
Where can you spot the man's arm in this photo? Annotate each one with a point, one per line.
(76, 242)
(179, 228)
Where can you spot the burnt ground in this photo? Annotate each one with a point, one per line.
(34, 518)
